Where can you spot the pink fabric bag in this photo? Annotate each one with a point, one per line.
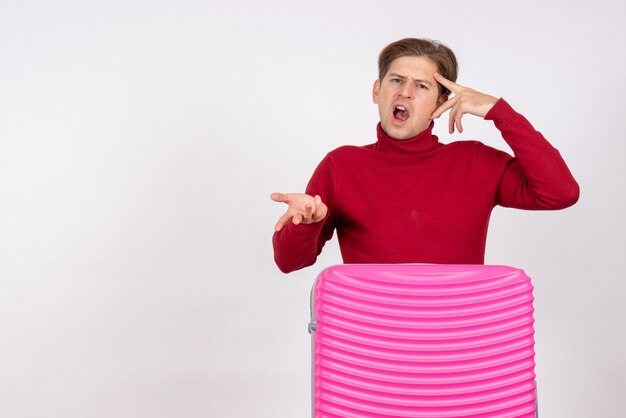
(420, 340)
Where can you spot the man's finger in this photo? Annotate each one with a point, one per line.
(450, 85)
(451, 122)
(444, 106)
(308, 212)
(453, 118)
(459, 125)
(319, 209)
(282, 221)
(280, 197)
(448, 104)
(297, 218)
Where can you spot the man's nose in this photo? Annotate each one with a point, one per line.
(406, 90)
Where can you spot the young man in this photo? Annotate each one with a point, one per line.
(408, 198)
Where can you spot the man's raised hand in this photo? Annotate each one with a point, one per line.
(465, 100)
(302, 208)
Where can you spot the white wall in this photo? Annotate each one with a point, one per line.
(139, 142)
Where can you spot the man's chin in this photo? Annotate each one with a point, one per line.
(399, 132)
(402, 131)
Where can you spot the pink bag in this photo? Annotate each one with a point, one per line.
(419, 340)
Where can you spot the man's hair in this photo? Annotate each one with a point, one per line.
(440, 54)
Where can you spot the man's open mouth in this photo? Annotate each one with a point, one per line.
(400, 113)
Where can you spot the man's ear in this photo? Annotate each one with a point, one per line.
(443, 98)
(375, 91)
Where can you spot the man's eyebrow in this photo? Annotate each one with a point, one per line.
(397, 75)
(418, 80)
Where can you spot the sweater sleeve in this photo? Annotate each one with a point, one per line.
(537, 177)
(297, 246)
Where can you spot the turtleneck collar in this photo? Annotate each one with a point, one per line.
(422, 142)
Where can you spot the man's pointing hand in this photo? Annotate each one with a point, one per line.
(465, 100)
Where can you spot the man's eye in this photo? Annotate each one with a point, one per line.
(422, 86)
(395, 80)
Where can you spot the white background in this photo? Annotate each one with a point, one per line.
(140, 140)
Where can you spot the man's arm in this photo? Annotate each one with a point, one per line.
(308, 223)
(537, 178)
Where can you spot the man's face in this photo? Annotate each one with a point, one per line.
(407, 96)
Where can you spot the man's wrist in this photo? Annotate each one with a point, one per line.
(499, 108)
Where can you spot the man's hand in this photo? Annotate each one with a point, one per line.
(302, 208)
(465, 100)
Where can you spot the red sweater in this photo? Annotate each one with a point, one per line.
(421, 201)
